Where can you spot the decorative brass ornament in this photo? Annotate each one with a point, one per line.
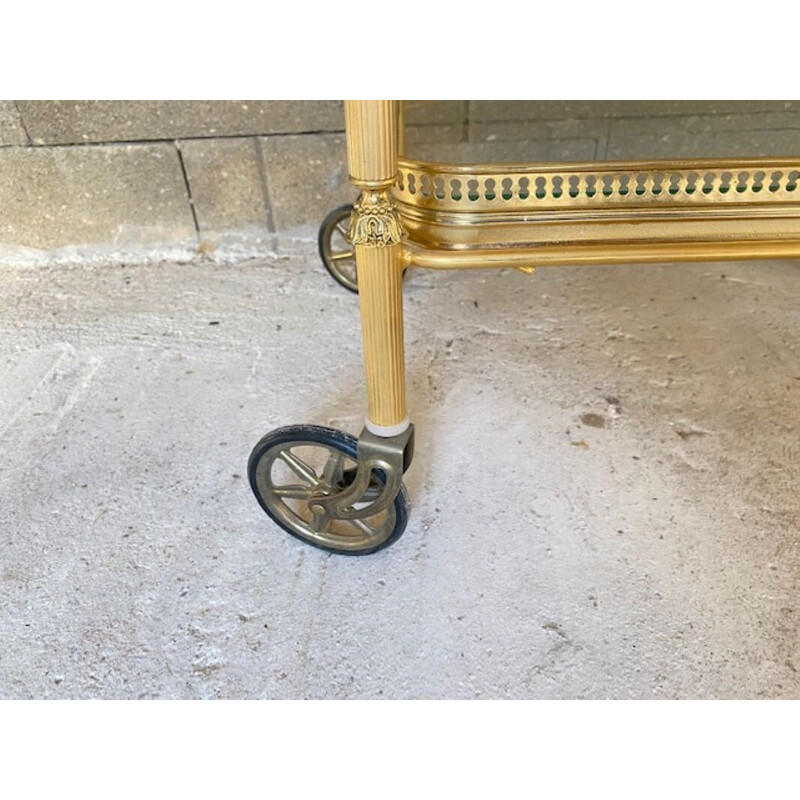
(375, 221)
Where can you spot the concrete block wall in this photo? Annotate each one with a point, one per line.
(123, 181)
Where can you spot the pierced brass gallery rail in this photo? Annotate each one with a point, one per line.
(494, 188)
(601, 212)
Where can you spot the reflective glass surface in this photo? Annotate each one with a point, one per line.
(534, 131)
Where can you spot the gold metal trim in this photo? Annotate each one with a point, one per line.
(375, 221)
(603, 211)
(494, 188)
(529, 258)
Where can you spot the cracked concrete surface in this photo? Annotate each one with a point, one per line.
(604, 495)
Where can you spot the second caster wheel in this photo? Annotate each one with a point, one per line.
(290, 465)
(336, 252)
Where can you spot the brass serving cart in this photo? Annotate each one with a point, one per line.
(347, 495)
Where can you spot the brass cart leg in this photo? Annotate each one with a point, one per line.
(355, 509)
(376, 233)
(386, 443)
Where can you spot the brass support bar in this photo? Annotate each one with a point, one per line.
(601, 253)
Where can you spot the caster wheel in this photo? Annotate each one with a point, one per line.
(291, 463)
(336, 252)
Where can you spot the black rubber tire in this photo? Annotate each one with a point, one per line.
(346, 444)
(325, 232)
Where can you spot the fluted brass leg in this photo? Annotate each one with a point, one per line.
(376, 233)
(380, 286)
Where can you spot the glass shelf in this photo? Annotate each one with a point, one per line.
(542, 131)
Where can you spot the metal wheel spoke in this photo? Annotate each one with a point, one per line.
(340, 227)
(293, 492)
(360, 523)
(342, 256)
(316, 521)
(299, 467)
(332, 473)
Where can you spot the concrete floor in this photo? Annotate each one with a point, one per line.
(604, 496)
